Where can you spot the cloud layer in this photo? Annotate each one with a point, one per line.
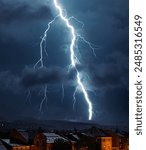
(106, 25)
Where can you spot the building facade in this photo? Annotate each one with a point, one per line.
(104, 143)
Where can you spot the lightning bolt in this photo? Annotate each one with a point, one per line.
(28, 96)
(45, 98)
(43, 42)
(40, 64)
(92, 46)
(74, 97)
(73, 57)
(62, 86)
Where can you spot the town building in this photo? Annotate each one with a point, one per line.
(104, 143)
(88, 139)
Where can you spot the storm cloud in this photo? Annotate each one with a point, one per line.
(105, 25)
(42, 76)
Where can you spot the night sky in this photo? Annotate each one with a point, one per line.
(22, 23)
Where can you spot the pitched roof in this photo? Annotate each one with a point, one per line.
(7, 141)
(24, 134)
(2, 147)
(51, 137)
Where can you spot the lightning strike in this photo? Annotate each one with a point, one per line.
(28, 96)
(73, 57)
(74, 97)
(40, 64)
(72, 17)
(92, 46)
(62, 86)
(43, 41)
(45, 98)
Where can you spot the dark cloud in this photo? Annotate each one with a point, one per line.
(106, 25)
(42, 76)
(31, 78)
(23, 13)
(111, 73)
(10, 82)
(20, 18)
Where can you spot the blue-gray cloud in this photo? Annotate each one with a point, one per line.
(106, 24)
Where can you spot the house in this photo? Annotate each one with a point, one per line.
(52, 141)
(120, 139)
(116, 139)
(15, 146)
(19, 136)
(52, 138)
(103, 139)
(81, 140)
(40, 141)
(17, 140)
(104, 143)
